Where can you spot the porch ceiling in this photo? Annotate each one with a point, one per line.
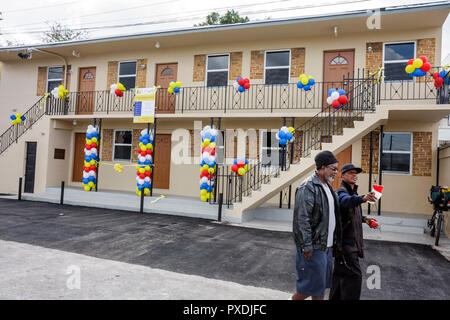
(427, 113)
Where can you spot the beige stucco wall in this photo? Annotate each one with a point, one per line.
(444, 179)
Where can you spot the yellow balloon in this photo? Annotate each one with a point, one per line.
(211, 170)
(91, 184)
(61, 95)
(291, 130)
(144, 148)
(212, 145)
(246, 168)
(141, 170)
(178, 84)
(88, 141)
(120, 87)
(138, 193)
(301, 76)
(141, 145)
(87, 188)
(170, 90)
(203, 192)
(146, 191)
(92, 162)
(418, 63)
(94, 139)
(241, 171)
(304, 80)
(147, 168)
(172, 84)
(149, 146)
(203, 198)
(410, 68)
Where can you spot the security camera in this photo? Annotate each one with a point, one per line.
(24, 55)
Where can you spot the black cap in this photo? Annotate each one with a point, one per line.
(350, 166)
(324, 158)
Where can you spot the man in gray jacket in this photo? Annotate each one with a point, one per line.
(317, 229)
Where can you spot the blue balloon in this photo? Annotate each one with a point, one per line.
(281, 135)
(299, 85)
(91, 178)
(147, 185)
(93, 157)
(419, 73)
(235, 161)
(203, 186)
(246, 161)
(94, 134)
(85, 180)
(241, 89)
(87, 158)
(213, 139)
(145, 141)
(443, 73)
(307, 87)
(331, 91)
(237, 79)
(341, 92)
(146, 136)
(283, 142)
(139, 187)
(12, 117)
(23, 118)
(207, 135)
(289, 135)
(411, 75)
(88, 136)
(176, 90)
(311, 82)
(209, 189)
(147, 162)
(141, 138)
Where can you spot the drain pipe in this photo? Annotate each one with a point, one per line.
(380, 169)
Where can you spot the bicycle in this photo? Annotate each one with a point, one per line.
(440, 199)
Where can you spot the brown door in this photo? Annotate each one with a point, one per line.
(78, 157)
(161, 176)
(165, 102)
(86, 88)
(336, 64)
(343, 157)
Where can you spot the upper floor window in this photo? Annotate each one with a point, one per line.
(122, 145)
(277, 67)
(127, 74)
(217, 70)
(54, 77)
(396, 56)
(397, 153)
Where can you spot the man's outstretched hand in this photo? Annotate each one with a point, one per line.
(370, 197)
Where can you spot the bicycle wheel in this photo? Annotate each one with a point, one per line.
(438, 228)
(432, 224)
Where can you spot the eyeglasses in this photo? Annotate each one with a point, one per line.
(332, 168)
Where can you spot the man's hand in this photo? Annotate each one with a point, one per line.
(307, 255)
(370, 223)
(370, 197)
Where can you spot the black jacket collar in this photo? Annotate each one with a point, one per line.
(349, 188)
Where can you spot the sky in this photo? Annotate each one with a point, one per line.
(25, 21)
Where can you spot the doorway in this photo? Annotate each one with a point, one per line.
(86, 88)
(165, 101)
(30, 167)
(343, 157)
(78, 158)
(161, 176)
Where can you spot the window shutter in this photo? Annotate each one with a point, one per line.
(235, 65)
(107, 144)
(113, 70)
(257, 65)
(41, 81)
(199, 67)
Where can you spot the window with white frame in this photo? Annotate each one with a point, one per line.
(122, 145)
(276, 68)
(396, 154)
(396, 56)
(217, 70)
(54, 77)
(127, 74)
(270, 149)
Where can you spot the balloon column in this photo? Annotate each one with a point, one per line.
(241, 84)
(305, 82)
(441, 77)
(118, 89)
(174, 87)
(16, 118)
(240, 166)
(145, 160)
(59, 92)
(337, 98)
(91, 158)
(285, 135)
(208, 164)
(417, 67)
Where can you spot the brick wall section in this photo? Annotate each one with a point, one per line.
(107, 144)
(113, 70)
(297, 62)
(199, 67)
(141, 75)
(41, 81)
(422, 154)
(67, 86)
(365, 152)
(135, 144)
(235, 65)
(374, 58)
(427, 48)
(257, 64)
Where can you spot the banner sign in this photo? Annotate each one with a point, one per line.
(144, 105)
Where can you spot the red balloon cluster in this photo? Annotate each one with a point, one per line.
(244, 82)
(146, 152)
(438, 80)
(118, 93)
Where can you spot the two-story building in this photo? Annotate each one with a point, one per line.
(392, 120)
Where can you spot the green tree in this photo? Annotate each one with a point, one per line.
(59, 32)
(229, 17)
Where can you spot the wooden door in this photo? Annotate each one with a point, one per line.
(86, 88)
(336, 64)
(161, 176)
(343, 157)
(78, 156)
(30, 167)
(165, 102)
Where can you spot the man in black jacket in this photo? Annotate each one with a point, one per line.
(347, 276)
(317, 229)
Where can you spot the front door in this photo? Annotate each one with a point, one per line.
(86, 88)
(165, 101)
(78, 157)
(161, 176)
(30, 166)
(336, 65)
(343, 157)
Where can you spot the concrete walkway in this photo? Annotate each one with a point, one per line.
(32, 272)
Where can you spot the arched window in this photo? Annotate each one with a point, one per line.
(167, 72)
(339, 60)
(88, 75)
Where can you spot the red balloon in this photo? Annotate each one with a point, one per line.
(139, 150)
(246, 80)
(410, 61)
(93, 145)
(143, 153)
(234, 168)
(142, 175)
(148, 173)
(91, 168)
(86, 169)
(148, 151)
(247, 85)
(426, 66)
(436, 75)
(241, 81)
(213, 152)
(118, 93)
(423, 58)
(241, 163)
(88, 147)
(342, 99)
(335, 104)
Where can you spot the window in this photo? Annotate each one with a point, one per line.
(270, 149)
(54, 77)
(127, 74)
(122, 145)
(277, 67)
(397, 153)
(339, 60)
(217, 71)
(396, 56)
